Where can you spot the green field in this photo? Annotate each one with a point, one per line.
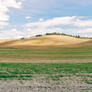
(47, 53)
(26, 71)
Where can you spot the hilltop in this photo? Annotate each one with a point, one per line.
(45, 40)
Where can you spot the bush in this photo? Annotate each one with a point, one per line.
(78, 36)
(54, 33)
(22, 38)
(38, 35)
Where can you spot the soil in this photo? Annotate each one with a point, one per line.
(11, 60)
(41, 84)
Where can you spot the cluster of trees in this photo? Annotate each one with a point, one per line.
(54, 33)
(77, 36)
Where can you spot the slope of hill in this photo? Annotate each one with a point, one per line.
(47, 40)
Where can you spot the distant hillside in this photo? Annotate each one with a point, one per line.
(46, 40)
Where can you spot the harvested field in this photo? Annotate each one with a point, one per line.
(48, 40)
(56, 53)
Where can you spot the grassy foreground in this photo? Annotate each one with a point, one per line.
(47, 53)
(25, 71)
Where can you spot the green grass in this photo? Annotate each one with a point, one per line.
(27, 70)
(58, 50)
(56, 77)
(47, 53)
(88, 81)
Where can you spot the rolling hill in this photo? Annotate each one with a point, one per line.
(46, 40)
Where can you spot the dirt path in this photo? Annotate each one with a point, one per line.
(8, 60)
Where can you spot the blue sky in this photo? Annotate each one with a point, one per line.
(25, 18)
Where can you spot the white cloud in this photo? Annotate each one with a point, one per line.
(4, 17)
(2, 24)
(4, 9)
(52, 22)
(27, 17)
(61, 21)
(72, 25)
(78, 25)
(5, 34)
(85, 31)
(83, 23)
(10, 3)
(41, 19)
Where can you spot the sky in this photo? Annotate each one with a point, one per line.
(26, 18)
